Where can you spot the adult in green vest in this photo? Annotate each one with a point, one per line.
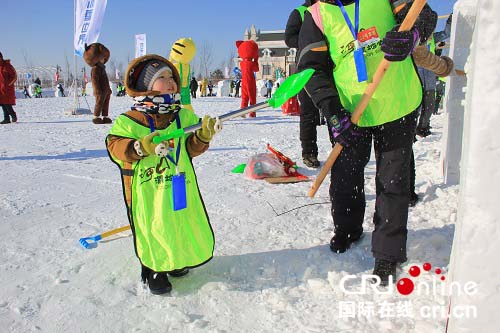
(310, 116)
(167, 215)
(349, 38)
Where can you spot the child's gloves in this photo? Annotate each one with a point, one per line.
(146, 147)
(398, 45)
(209, 127)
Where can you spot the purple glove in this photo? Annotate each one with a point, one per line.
(397, 46)
(344, 132)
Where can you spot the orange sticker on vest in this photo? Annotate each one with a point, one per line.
(368, 36)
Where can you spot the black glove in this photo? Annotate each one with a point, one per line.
(397, 45)
(344, 131)
(339, 122)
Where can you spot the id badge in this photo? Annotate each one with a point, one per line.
(179, 191)
(359, 60)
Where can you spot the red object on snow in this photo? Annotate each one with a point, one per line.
(291, 107)
(286, 161)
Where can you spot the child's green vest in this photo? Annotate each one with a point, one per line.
(400, 91)
(165, 239)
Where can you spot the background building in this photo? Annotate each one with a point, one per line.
(275, 58)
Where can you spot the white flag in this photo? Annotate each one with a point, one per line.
(88, 20)
(140, 45)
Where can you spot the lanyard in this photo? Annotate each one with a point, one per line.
(178, 123)
(354, 30)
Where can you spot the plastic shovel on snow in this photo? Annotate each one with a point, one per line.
(94, 239)
(288, 88)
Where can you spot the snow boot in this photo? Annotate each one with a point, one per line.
(413, 199)
(158, 282)
(423, 132)
(106, 120)
(14, 117)
(341, 241)
(97, 120)
(310, 161)
(179, 272)
(5, 121)
(385, 269)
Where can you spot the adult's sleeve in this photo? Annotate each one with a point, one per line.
(292, 29)
(314, 54)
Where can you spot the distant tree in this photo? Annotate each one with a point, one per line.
(206, 57)
(230, 61)
(217, 75)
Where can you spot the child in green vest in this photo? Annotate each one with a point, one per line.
(169, 222)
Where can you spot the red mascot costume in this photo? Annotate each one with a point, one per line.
(248, 51)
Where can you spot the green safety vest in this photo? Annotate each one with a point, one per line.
(301, 10)
(165, 239)
(400, 91)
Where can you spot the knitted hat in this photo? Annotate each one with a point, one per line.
(142, 73)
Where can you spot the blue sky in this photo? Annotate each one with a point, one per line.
(43, 29)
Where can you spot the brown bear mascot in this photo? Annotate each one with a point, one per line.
(96, 55)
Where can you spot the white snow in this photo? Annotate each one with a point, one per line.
(268, 273)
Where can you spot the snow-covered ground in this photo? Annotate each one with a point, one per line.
(269, 272)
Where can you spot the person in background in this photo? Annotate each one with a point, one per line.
(327, 44)
(61, 89)
(210, 88)
(237, 85)
(440, 66)
(193, 86)
(26, 92)
(309, 115)
(269, 86)
(96, 56)
(8, 78)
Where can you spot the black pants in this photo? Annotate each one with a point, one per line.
(8, 111)
(440, 87)
(309, 119)
(428, 108)
(193, 93)
(393, 149)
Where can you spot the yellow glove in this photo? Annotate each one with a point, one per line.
(209, 127)
(146, 145)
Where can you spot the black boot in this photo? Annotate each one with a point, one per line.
(413, 199)
(14, 117)
(341, 241)
(5, 121)
(158, 282)
(310, 160)
(179, 272)
(385, 269)
(423, 132)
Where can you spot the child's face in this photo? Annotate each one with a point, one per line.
(165, 83)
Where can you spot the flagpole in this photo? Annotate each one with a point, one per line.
(75, 86)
